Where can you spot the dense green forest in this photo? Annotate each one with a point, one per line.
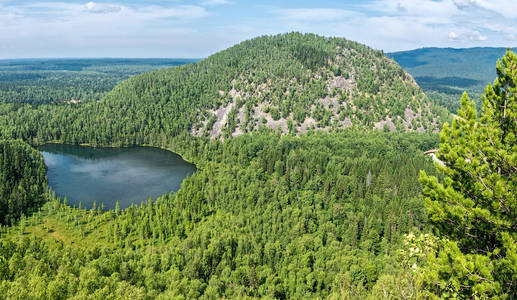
(327, 211)
(445, 73)
(23, 181)
(265, 216)
(44, 81)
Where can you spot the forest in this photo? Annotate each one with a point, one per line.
(265, 216)
(46, 81)
(23, 180)
(341, 213)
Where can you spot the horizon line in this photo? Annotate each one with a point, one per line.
(201, 58)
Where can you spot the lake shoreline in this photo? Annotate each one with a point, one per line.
(118, 146)
(131, 174)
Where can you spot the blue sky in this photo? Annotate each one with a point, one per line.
(198, 28)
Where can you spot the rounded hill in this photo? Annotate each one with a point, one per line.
(290, 82)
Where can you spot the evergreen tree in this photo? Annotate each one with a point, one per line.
(475, 209)
(23, 183)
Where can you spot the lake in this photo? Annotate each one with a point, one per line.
(105, 175)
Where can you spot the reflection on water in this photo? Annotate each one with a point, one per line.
(105, 175)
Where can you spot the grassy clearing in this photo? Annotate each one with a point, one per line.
(54, 223)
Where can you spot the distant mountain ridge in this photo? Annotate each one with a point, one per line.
(421, 56)
(445, 73)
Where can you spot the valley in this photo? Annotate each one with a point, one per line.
(300, 174)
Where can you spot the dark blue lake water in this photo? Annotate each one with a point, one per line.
(105, 175)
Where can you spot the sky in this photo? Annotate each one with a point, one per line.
(199, 28)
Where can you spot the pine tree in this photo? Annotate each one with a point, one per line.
(475, 208)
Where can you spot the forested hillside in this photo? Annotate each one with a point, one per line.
(445, 73)
(23, 182)
(293, 83)
(289, 82)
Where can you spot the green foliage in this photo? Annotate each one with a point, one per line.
(23, 181)
(475, 208)
(151, 107)
(305, 215)
(264, 216)
(404, 279)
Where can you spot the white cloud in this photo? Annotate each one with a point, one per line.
(463, 4)
(406, 24)
(99, 8)
(427, 10)
(453, 36)
(96, 29)
(315, 14)
(215, 2)
(116, 28)
(506, 8)
(472, 36)
(181, 12)
(476, 36)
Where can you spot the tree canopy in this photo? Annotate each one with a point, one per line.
(475, 208)
(275, 212)
(265, 215)
(23, 182)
